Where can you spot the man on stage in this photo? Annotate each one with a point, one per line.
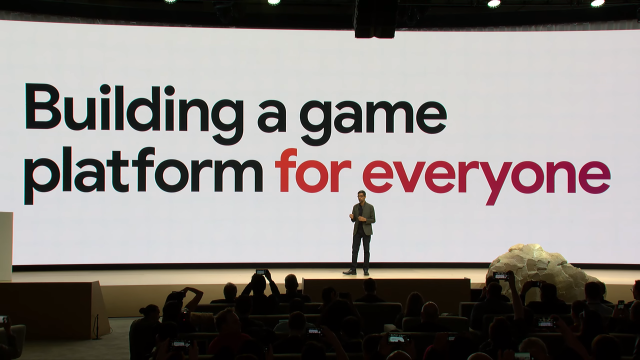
(362, 216)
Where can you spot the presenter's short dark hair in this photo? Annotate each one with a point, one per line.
(362, 192)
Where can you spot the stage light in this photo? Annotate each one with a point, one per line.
(493, 4)
(170, 1)
(597, 3)
(274, 2)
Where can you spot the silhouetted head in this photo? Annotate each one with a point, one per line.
(462, 347)
(479, 356)
(636, 290)
(258, 284)
(398, 355)
(313, 351)
(414, 305)
(536, 347)
(230, 291)
(297, 321)
(634, 312)
(592, 291)
(171, 312)
(603, 290)
(494, 290)
(151, 312)
(548, 292)
(605, 347)
(227, 322)
(369, 286)
(291, 283)
(430, 312)
(592, 323)
(500, 331)
(244, 304)
(328, 295)
(350, 328)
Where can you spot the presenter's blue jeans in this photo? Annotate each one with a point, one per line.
(366, 239)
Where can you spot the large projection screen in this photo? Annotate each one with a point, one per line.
(122, 144)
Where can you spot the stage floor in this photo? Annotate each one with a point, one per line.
(242, 276)
(125, 291)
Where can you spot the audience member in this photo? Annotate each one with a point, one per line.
(291, 290)
(429, 320)
(230, 291)
(185, 317)
(230, 332)
(312, 350)
(636, 350)
(462, 347)
(10, 350)
(370, 346)
(493, 304)
(535, 347)
(263, 304)
(386, 348)
(242, 310)
(296, 305)
(328, 295)
(593, 295)
(605, 347)
(412, 308)
(142, 333)
(489, 280)
(370, 288)
(253, 348)
(295, 341)
(577, 308)
(626, 321)
(635, 290)
(480, 356)
(592, 326)
(500, 338)
(336, 312)
(603, 292)
(398, 355)
(549, 302)
(351, 335)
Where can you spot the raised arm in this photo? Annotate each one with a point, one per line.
(518, 308)
(272, 285)
(196, 299)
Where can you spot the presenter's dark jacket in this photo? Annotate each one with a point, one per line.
(367, 212)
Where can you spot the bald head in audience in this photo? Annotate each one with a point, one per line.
(479, 356)
(398, 355)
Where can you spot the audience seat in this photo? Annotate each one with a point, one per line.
(465, 309)
(375, 316)
(455, 323)
(627, 343)
(19, 331)
(212, 308)
(270, 321)
(309, 308)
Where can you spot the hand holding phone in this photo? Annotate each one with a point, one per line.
(500, 275)
(314, 332)
(546, 323)
(398, 338)
(261, 271)
(180, 346)
(621, 304)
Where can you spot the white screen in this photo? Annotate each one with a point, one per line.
(541, 97)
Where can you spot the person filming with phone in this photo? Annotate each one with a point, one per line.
(263, 304)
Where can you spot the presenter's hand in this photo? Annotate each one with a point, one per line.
(351, 216)
(362, 218)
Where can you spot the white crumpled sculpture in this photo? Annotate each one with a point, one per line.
(531, 262)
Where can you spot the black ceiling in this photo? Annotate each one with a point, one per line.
(332, 14)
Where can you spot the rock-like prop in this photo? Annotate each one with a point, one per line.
(531, 262)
